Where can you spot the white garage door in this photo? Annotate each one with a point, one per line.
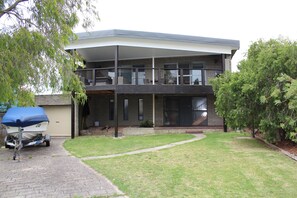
(60, 120)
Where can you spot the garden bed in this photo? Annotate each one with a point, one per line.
(288, 146)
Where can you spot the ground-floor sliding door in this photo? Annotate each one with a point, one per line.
(185, 111)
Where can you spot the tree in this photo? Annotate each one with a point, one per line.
(235, 100)
(32, 39)
(263, 94)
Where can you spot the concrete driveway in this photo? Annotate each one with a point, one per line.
(50, 172)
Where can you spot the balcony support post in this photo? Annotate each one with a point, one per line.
(153, 70)
(116, 61)
(181, 77)
(223, 63)
(154, 117)
(94, 77)
(136, 76)
(159, 76)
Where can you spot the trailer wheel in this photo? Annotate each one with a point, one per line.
(9, 147)
(47, 143)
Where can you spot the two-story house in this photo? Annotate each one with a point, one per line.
(133, 76)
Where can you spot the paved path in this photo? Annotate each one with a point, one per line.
(50, 172)
(198, 137)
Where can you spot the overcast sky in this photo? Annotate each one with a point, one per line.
(244, 20)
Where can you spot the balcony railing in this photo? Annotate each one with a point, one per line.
(146, 76)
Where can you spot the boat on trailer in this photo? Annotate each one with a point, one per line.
(25, 127)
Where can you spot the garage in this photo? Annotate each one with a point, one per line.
(58, 110)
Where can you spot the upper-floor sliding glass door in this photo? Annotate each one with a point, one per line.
(191, 74)
(125, 76)
(196, 74)
(171, 74)
(138, 75)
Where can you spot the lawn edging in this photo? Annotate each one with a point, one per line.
(290, 155)
(145, 150)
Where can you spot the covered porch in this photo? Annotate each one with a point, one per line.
(132, 110)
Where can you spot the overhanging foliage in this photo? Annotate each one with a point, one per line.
(263, 95)
(32, 39)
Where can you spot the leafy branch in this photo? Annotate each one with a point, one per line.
(11, 7)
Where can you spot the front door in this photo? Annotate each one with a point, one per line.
(185, 111)
(171, 111)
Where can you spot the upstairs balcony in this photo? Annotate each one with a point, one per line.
(154, 55)
(148, 80)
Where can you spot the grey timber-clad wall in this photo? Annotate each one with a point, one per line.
(210, 62)
(213, 118)
(159, 110)
(99, 109)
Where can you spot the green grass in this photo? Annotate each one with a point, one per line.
(221, 165)
(98, 145)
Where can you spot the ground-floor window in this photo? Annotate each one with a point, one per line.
(125, 109)
(111, 109)
(140, 109)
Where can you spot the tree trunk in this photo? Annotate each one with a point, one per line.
(281, 134)
(253, 133)
(253, 129)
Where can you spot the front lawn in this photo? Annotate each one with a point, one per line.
(86, 146)
(221, 165)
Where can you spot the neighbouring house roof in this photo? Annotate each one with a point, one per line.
(99, 45)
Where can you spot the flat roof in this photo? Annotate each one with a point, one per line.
(100, 46)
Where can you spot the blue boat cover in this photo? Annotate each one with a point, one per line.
(24, 116)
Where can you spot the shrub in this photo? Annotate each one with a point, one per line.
(147, 123)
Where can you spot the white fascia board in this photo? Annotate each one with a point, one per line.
(147, 43)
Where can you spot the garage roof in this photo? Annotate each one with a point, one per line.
(49, 100)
